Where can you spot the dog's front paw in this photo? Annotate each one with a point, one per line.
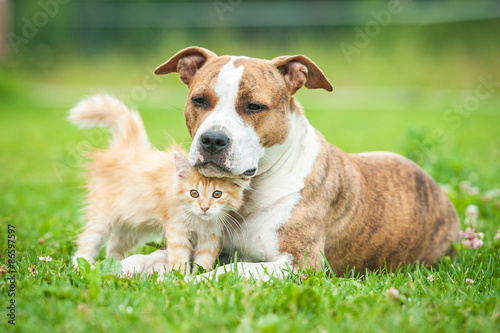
(160, 268)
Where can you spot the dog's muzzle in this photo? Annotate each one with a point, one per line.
(213, 151)
(214, 156)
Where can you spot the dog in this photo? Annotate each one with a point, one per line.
(310, 201)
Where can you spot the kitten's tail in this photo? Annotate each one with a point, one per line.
(103, 110)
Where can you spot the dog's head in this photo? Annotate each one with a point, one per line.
(238, 106)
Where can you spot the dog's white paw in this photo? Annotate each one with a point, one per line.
(135, 264)
(159, 268)
(147, 264)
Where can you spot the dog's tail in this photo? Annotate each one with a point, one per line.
(103, 110)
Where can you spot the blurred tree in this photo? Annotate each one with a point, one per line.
(4, 22)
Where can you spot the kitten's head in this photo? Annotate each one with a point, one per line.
(207, 198)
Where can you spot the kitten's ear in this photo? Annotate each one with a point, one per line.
(182, 166)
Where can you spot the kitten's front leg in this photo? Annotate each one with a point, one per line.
(179, 248)
(207, 251)
(90, 241)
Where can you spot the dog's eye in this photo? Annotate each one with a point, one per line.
(194, 193)
(200, 101)
(254, 108)
(217, 194)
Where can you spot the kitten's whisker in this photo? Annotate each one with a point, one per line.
(227, 226)
(249, 189)
(181, 216)
(237, 226)
(223, 230)
(179, 208)
(189, 220)
(237, 223)
(234, 211)
(242, 235)
(185, 144)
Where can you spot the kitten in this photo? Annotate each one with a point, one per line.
(135, 190)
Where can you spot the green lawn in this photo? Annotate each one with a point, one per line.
(41, 176)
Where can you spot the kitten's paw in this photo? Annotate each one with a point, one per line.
(135, 264)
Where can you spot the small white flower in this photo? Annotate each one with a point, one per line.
(472, 211)
(445, 188)
(469, 281)
(129, 309)
(471, 214)
(45, 259)
(497, 236)
(464, 186)
(431, 278)
(474, 190)
(493, 193)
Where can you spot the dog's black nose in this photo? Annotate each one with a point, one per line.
(213, 142)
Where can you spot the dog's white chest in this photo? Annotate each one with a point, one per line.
(274, 195)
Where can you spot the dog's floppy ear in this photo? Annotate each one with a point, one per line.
(299, 70)
(186, 62)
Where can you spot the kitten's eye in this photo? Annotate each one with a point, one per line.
(217, 194)
(194, 193)
(200, 101)
(254, 108)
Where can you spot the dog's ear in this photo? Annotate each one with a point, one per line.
(186, 62)
(299, 70)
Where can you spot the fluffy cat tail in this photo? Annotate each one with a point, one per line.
(104, 110)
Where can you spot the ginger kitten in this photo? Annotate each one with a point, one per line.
(135, 190)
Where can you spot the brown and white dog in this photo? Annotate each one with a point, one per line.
(309, 199)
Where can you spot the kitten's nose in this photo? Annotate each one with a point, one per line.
(204, 209)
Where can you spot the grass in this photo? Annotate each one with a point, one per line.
(41, 176)
(42, 184)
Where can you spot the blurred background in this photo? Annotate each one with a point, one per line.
(421, 78)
